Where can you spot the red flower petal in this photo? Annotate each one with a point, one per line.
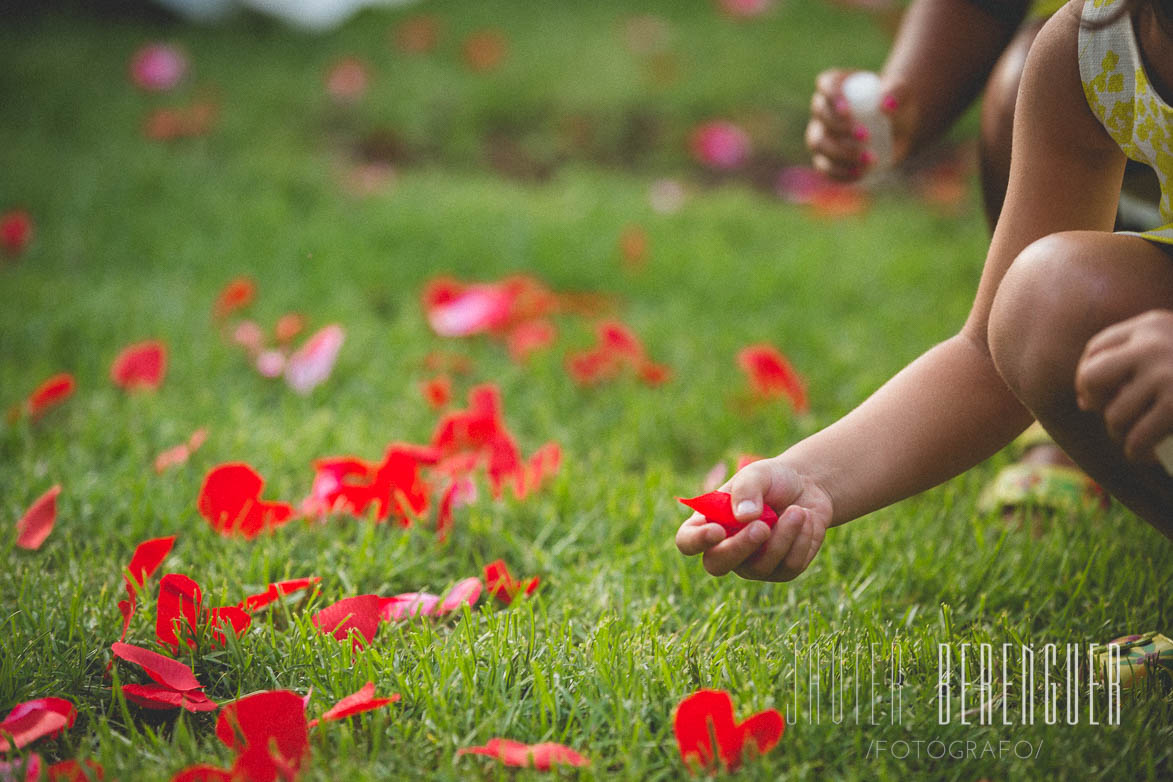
(360, 613)
(277, 590)
(503, 586)
(141, 365)
(437, 391)
(35, 719)
(407, 605)
(717, 507)
(75, 771)
(467, 591)
(529, 337)
(311, 364)
(484, 50)
(52, 392)
(16, 231)
(707, 715)
(26, 769)
(363, 700)
(347, 79)
(170, 673)
(160, 697)
(146, 559)
(237, 294)
(269, 732)
(179, 454)
(37, 522)
(179, 611)
(158, 67)
(771, 375)
(230, 501)
(720, 145)
(541, 756)
(202, 772)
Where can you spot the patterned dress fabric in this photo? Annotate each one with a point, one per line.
(1121, 96)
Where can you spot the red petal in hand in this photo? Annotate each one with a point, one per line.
(37, 522)
(707, 715)
(35, 719)
(179, 611)
(178, 455)
(237, 294)
(360, 613)
(230, 501)
(717, 507)
(501, 584)
(75, 771)
(363, 700)
(269, 732)
(772, 376)
(141, 365)
(53, 391)
(456, 310)
(541, 756)
(277, 590)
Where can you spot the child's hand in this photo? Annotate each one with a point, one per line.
(839, 145)
(1126, 374)
(757, 552)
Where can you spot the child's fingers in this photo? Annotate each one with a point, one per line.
(750, 487)
(761, 566)
(837, 157)
(1152, 427)
(1131, 401)
(1098, 376)
(731, 552)
(830, 84)
(696, 535)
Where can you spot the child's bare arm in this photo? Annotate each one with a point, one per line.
(949, 409)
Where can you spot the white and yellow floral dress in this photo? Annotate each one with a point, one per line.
(1120, 94)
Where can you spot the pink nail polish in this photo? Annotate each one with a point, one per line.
(889, 103)
(860, 132)
(866, 157)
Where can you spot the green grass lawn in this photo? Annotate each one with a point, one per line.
(135, 239)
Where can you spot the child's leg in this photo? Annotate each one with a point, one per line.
(1058, 294)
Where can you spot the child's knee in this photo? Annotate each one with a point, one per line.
(1042, 317)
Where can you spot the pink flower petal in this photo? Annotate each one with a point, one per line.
(37, 522)
(312, 364)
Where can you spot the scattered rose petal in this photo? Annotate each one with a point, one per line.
(720, 145)
(393, 487)
(178, 611)
(190, 121)
(529, 337)
(717, 507)
(312, 363)
(633, 246)
(230, 501)
(617, 350)
(707, 715)
(360, 613)
(437, 391)
(16, 231)
(502, 585)
(158, 67)
(236, 295)
(35, 719)
(485, 50)
(347, 79)
(363, 700)
(177, 455)
(269, 733)
(473, 310)
(145, 560)
(772, 376)
(288, 326)
(50, 393)
(75, 771)
(37, 522)
(26, 769)
(251, 337)
(140, 366)
(417, 34)
(465, 592)
(541, 756)
(271, 363)
(407, 605)
(745, 9)
(461, 491)
(202, 772)
(646, 34)
(276, 591)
